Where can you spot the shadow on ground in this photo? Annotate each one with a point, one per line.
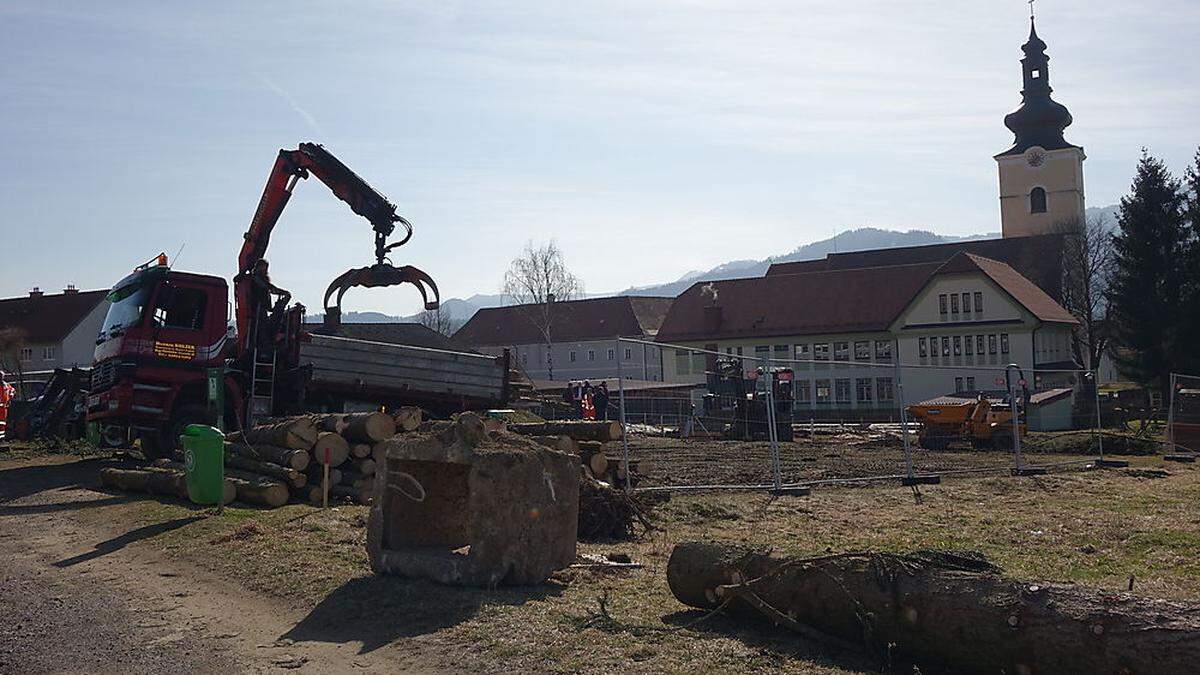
(23, 481)
(761, 635)
(377, 610)
(119, 542)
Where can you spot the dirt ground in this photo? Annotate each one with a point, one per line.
(106, 582)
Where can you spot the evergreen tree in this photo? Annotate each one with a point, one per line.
(1192, 281)
(1147, 291)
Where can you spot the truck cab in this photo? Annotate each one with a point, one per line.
(164, 329)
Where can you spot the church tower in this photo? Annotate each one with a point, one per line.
(1041, 175)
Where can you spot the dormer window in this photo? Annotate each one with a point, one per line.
(1037, 200)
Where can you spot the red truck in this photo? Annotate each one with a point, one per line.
(166, 353)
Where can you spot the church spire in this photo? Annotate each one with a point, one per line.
(1040, 120)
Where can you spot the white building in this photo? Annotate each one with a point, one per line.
(52, 331)
(574, 339)
(953, 325)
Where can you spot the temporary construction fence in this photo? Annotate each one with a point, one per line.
(1182, 436)
(832, 418)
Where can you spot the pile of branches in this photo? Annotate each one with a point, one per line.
(607, 513)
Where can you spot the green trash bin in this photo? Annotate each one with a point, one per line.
(204, 460)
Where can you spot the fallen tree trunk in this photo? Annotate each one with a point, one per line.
(364, 466)
(158, 480)
(942, 608)
(287, 457)
(370, 427)
(561, 443)
(360, 450)
(580, 430)
(299, 433)
(335, 422)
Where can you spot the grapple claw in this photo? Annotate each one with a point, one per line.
(378, 275)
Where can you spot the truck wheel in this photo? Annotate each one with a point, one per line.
(184, 415)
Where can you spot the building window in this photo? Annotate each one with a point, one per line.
(802, 392)
(572, 356)
(922, 348)
(821, 351)
(958, 345)
(525, 359)
(970, 345)
(781, 353)
(841, 351)
(822, 391)
(611, 353)
(1037, 200)
(992, 344)
(883, 387)
(966, 302)
(970, 384)
(803, 353)
(841, 390)
(942, 303)
(978, 302)
(48, 353)
(591, 355)
(979, 344)
(26, 353)
(883, 350)
(862, 389)
(1004, 343)
(862, 351)
(628, 354)
(958, 384)
(682, 362)
(945, 346)
(954, 303)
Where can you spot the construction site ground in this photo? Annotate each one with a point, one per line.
(109, 582)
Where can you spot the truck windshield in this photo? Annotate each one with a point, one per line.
(127, 304)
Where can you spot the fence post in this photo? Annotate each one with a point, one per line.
(1170, 436)
(1099, 426)
(624, 429)
(772, 435)
(908, 462)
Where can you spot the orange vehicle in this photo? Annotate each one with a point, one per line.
(981, 421)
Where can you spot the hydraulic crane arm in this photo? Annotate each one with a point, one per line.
(290, 167)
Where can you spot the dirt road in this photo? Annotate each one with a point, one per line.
(76, 600)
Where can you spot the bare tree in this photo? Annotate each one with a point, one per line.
(437, 321)
(535, 281)
(1087, 271)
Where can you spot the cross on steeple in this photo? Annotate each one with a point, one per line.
(1031, 9)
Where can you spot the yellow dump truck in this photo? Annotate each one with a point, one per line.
(981, 421)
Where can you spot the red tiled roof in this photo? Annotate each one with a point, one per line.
(1038, 258)
(840, 301)
(855, 300)
(1024, 291)
(571, 320)
(398, 333)
(48, 318)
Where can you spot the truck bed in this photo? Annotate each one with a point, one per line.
(417, 375)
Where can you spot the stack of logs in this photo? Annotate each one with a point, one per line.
(296, 455)
(287, 459)
(591, 440)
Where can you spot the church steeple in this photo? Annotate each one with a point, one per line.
(1040, 120)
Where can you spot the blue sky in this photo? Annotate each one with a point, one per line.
(649, 139)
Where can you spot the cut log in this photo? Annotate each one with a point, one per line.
(297, 432)
(379, 453)
(357, 495)
(286, 457)
(360, 450)
(942, 609)
(598, 463)
(177, 468)
(162, 482)
(591, 446)
(580, 430)
(330, 446)
(561, 443)
(408, 418)
(370, 427)
(316, 474)
(365, 467)
(296, 483)
(263, 491)
(287, 475)
(335, 422)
